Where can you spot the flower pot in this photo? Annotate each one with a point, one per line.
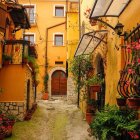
(133, 102)
(94, 88)
(45, 96)
(89, 117)
(121, 101)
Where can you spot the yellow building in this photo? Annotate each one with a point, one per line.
(17, 87)
(48, 21)
(109, 46)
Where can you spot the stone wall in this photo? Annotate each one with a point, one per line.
(71, 95)
(15, 108)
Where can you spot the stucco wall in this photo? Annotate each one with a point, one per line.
(12, 83)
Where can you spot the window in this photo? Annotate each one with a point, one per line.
(58, 40)
(59, 11)
(31, 13)
(29, 37)
(59, 62)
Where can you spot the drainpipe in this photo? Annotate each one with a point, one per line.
(79, 18)
(79, 64)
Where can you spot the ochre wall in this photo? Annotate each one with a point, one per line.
(45, 19)
(12, 81)
(56, 53)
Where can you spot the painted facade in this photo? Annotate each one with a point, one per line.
(17, 88)
(110, 53)
(48, 26)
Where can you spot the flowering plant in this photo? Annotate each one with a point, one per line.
(133, 68)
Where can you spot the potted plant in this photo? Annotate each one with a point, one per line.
(94, 83)
(91, 105)
(6, 59)
(112, 123)
(91, 109)
(121, 100)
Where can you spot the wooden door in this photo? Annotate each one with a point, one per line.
(59, 83)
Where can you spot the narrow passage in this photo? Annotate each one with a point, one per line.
(53, 120)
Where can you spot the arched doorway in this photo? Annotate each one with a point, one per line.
(100, 72)
(59, 83)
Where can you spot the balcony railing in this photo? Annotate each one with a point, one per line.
(18, 49)
(129, 83)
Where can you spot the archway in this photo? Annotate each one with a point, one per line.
(100, 72)
(59, 83)
(50, 78)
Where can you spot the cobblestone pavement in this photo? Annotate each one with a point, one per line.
(53, 120)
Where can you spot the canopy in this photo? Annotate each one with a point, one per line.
(90, 41)
(108, 8)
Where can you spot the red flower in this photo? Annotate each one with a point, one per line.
(138, 60)
(133, 135)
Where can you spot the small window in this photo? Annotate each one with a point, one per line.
(58, 40)
(29, 37)
(59, 11)
(59, 62)
(31, 13)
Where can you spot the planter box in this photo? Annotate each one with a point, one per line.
(133, 102)
(94, 88)
(121, 101)
(89, 117)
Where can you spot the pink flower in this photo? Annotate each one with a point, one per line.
(129, 50)
(130, 71)
(138, 60)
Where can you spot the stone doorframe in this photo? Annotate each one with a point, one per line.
(50, 77)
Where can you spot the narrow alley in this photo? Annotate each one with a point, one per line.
(53, 120)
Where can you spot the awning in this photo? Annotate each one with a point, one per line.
(90, 41)
(108, 8)
(19, 15)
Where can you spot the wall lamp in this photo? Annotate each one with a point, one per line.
(118, 28)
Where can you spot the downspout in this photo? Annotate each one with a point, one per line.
(78, 99)
(46, 52)
(79, 19)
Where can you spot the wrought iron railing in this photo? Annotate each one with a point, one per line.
(129, 82)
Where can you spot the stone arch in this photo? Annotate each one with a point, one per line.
(50, 77)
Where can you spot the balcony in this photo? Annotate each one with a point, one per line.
(16, 50)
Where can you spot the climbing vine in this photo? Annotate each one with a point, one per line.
(79, 67)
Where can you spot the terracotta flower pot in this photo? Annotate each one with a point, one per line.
(45, 96)
(89, 117)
